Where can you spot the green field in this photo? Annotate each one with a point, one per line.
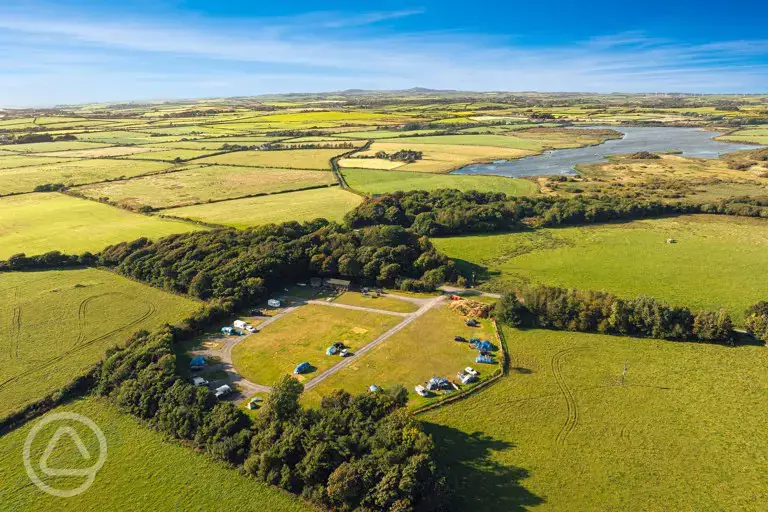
(685, 431)
(142, 472)
(74, 172)
(43, 147)
(200, 184)
(422, 350)
(385, 302)
(58, 323)
(291, 159)
(372, 181)
(38, 223)
(170, 155)
(713, 264)
(330, 203)
(11, 160)
(753, 135)
(304, 335)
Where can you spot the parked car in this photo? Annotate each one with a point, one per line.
(222, 391)
(460, 338)
(199, 382)
(344, 352)
(421, 390)
(250, 328)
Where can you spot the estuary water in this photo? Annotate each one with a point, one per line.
(693, 142)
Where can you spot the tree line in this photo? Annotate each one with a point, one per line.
(551, 307)
(363, 452)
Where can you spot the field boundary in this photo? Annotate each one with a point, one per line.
(246, 196)
(498, 373)
(337, 172)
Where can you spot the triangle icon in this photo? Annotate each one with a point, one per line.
(75, 437)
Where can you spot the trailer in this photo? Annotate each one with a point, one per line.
(239, 324)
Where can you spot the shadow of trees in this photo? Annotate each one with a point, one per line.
(479, 482)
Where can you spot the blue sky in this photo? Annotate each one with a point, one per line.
(78, 51)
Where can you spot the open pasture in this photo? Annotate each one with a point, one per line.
(170, 155)
(143, 471)
(385, 302)
(422, 350)
(713, 264)
(204, 183)
(757, 135)
(562, 433)
(72, 172)
(11, 160)
(436, 157)
(330, 203)
(47, 147)
(372, 181)
(58, 323)
(291, 159)
(304, 335)
(42, 222)
(108, 151)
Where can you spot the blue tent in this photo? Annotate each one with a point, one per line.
(484, 359)
(197, 361)
(303, 367)
(485, 345)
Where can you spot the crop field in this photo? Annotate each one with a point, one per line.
(58, 323)
(422, 350)
(386, 303)
(201, 184)
(437, 157)
(372, 181)
(74, 172)
(562, 433)
(170, 155)
(711, 266)
(143, 472)
(304, 335)
(330, 203)
(292, 159)
(38, 223)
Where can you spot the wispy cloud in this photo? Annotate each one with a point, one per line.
(316, 51)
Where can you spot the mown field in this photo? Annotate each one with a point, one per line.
(291, 159)
(420, 351)
(199, 184)
(384, 302)
(304, 335)
(142, 472)
(713, 264)
(42, 222)
(330, 203)
(684, 432)
(371, 181)
(56, 324)
(73, 172)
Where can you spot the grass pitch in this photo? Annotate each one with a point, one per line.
(561, 433)
(712, 265)
(304, 335)
(58, 323)
(143, 472)
(38, 223)
(330, 203)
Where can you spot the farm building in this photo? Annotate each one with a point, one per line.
(337, 284)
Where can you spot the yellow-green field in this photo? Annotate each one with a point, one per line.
(143, 472)
(713, 264)
(169, 155)
(45, 147)
(561, 433)
(304, 335)
(757, 135)
(291, 159)
(58, 323)
(372, 181)
(204, 183)
(38, 223)
(330, 203)
(422, 350)
(385, 302)
(74, 172)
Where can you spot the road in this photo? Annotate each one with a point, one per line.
(468, 292)
(410, 317)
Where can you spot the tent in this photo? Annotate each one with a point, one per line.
(197, 362)
(436, 383)
(301, 368)
(331, 350)
(373, 388)
(485, 345)
(484, 359)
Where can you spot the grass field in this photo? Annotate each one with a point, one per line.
(56, 324)
(143, 472)
(304, 335)
(11, 160)
(754, 135)
(383, 302)
(684, 432)
(372, 181)
(331, 203)
(38, 223)
(45, 147)
(436, 157)
(292, 159)
(712, 265)
(422, 350)
(74, 172)
(169, 155)
(200, 184)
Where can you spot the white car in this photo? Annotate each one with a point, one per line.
(344, 352)
(250, 328)
(222, 391)
(471, 371)
(199, 381)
